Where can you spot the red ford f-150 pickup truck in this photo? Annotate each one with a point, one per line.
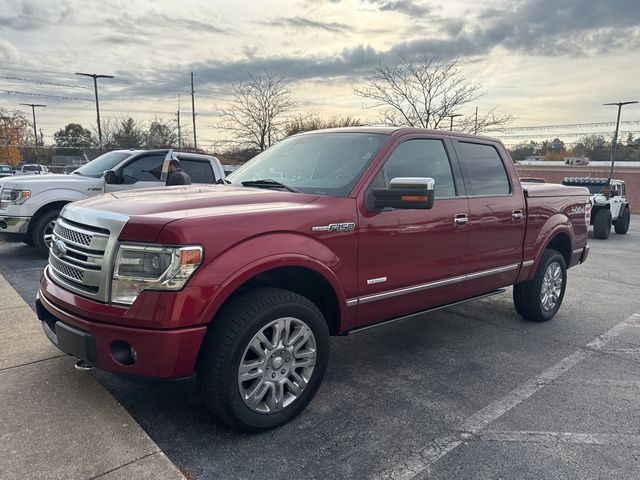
(322, 234)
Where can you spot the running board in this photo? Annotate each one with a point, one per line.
(405, 317)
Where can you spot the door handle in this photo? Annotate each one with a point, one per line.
(516, 215)
(461, 219)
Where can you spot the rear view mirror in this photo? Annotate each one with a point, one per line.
(110, 177)
(406, 192)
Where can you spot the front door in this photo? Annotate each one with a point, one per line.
(141, 172)
(408, 259)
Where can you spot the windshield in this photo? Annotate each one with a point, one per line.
(318, 163)
(96, 167)
(31, 168)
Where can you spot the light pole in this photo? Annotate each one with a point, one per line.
(614, 145)
(451, 117)
(95, 87)
(35, 129)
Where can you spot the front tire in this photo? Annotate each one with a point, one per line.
(43, 231)
(602, 224)
(539, 299)
(622, 225)
(263, 359)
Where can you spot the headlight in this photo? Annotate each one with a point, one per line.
(13, 197)
(142, 267)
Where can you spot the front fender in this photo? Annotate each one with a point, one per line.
(46, 197)
(260, 254)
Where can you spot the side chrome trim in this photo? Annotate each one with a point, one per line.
(352, 302)
(577, 251)
(528, 263)
(438, 283)
(373, 281)
(422, 312)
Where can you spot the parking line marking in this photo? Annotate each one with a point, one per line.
(553, 438)
(441, 446)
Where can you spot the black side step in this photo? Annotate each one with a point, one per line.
(405, 317)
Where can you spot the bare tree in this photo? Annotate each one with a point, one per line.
(258, 110)
(306, 123)
(424, 93)
(160, 134)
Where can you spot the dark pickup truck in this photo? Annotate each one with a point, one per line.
(323, 234)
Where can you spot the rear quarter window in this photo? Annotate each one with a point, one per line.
(485, 169)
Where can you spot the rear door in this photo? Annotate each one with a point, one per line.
(199, 170)
(496, 215)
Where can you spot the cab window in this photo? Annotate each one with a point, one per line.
(144, 169)
(419, 158)
(485, 169)
(199, 171)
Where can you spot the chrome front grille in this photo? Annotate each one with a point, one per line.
(76, 258)
(73, 273)
(77, 238)
(84, 243)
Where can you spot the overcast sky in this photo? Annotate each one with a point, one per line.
(545, 61)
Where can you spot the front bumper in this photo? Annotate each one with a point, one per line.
(158, 353)
(14, 229)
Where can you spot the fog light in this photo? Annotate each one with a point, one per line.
(123, 353)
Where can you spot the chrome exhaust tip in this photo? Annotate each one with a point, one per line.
(84, 366)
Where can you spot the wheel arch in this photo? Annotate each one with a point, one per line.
(298, 273)
(47, 207)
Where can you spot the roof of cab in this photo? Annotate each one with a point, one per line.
(397, 131)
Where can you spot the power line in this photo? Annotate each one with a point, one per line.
(565, 126)
(557, 135)
(43, 82)
(45, 95)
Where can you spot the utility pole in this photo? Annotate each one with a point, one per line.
(475, 129)
(614, 145)
(179, 130)
(193, 112)
(95, 87)
(35, 128)
(451, 117)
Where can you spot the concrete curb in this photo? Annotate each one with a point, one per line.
(56, 422)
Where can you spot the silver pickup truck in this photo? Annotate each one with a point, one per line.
(29, 205)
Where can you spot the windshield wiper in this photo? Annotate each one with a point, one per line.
(268, 183)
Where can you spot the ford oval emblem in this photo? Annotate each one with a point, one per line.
(58, 248)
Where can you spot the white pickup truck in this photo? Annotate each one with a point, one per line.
(29, 205)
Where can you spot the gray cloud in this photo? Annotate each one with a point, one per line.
(408, 7)
(31, 15)
(301, 22)
(8, 52)
(539, 34)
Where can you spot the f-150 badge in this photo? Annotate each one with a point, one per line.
(335, 227)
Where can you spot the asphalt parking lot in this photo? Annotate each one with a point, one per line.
(472, 391)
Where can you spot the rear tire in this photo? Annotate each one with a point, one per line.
(42, 231)
(622, 225)
(539, 299)
(602, 224)
(253, 378)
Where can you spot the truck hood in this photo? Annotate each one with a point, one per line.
(172, 203)
(42, 181)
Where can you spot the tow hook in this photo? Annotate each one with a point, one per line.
(84, 366)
